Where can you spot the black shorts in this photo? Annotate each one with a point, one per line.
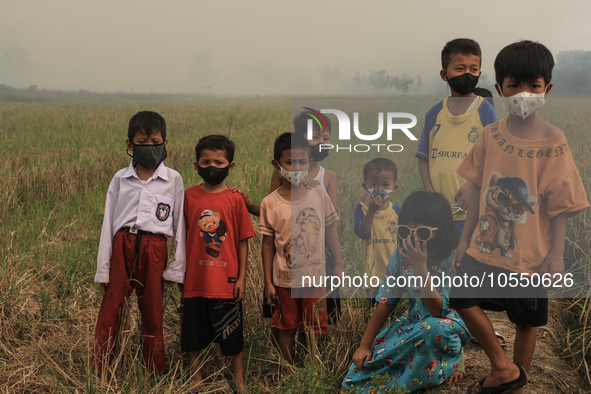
(525, 306)
(207, 320)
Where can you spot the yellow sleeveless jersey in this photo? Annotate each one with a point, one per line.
(447, 139)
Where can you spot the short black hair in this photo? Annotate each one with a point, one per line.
(215, 142)
(487, 94)
(289, 141)
(380, 164)
(431, 209)
(149, 121)
(524, 61)
(300, 122)
(465, 46)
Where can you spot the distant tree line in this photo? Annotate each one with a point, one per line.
(381, 81)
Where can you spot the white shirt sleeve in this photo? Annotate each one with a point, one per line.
(105, 251)
(176, 269)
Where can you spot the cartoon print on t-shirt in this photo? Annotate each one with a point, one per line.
(302, 245)
(287, 252)
(507, 200)
(213, 231)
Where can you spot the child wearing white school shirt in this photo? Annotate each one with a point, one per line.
(144, 206)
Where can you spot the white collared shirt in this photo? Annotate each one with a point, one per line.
(156, 207)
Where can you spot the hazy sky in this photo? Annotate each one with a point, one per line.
(260, 47)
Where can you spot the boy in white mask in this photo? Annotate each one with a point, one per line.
(526, 186)
(294, 222)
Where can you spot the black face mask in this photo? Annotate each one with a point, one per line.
(318, 154)
(148, 156)
(463, 84)
(213, 175)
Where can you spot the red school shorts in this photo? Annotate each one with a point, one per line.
(293, 310)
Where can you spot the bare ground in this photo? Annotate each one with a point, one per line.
(548, 374)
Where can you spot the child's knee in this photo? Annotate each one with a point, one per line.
(291, 333)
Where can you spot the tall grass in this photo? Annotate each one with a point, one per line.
(57, 162)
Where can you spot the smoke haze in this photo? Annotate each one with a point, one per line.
(261, 47)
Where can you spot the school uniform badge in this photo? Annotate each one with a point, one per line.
(162, 211)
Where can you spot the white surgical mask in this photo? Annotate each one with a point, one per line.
(295, 177)
(523, 104)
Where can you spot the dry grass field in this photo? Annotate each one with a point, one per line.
(57, 162)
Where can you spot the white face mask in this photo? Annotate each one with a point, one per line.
(384, 194)
(523, 104)
(295, 177)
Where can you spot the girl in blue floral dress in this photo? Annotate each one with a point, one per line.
(424, 346)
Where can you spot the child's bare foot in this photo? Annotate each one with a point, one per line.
(272, 377)
(194, 389)
(238, 386)
(196, 386)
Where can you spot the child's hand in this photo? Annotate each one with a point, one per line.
(310, 184)
(362, 355)
(554, 264)
(338, 270)
(270, 293)
(241, 192)
(415, 254)
(463, 195)
(455, 377)
(459, 256)
(375, 204)
(239, 290)
(104, 288)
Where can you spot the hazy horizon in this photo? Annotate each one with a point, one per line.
(264, 47)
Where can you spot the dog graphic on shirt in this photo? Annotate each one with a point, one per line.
(507, 200)
(302, 245)
(213, 231)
